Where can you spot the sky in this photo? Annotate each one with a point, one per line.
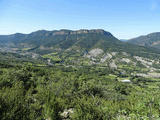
(125, 19)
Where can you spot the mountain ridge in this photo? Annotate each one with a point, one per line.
(150, 40)
(68, 44)
(47, 38)
(80, 31)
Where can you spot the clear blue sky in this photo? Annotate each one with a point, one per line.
(123, 18)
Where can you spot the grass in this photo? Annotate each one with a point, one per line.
(53, 58)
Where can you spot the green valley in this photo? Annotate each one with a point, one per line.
(77, 75)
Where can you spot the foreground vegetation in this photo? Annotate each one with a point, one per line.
(86, 93)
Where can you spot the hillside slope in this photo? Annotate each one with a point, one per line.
(150, 40)
(43, 42)
(83, 48)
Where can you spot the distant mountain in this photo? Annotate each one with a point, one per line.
(43, 41)
(73, 47)
(124, 40)
(63, 39)
(150, 40)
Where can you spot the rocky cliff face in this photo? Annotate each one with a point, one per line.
(82, 31)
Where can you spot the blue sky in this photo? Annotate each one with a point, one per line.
(123, 18)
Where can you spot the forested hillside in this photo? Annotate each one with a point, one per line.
(86, 93)
(150, 40)
(66, 45)
(77, 75)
